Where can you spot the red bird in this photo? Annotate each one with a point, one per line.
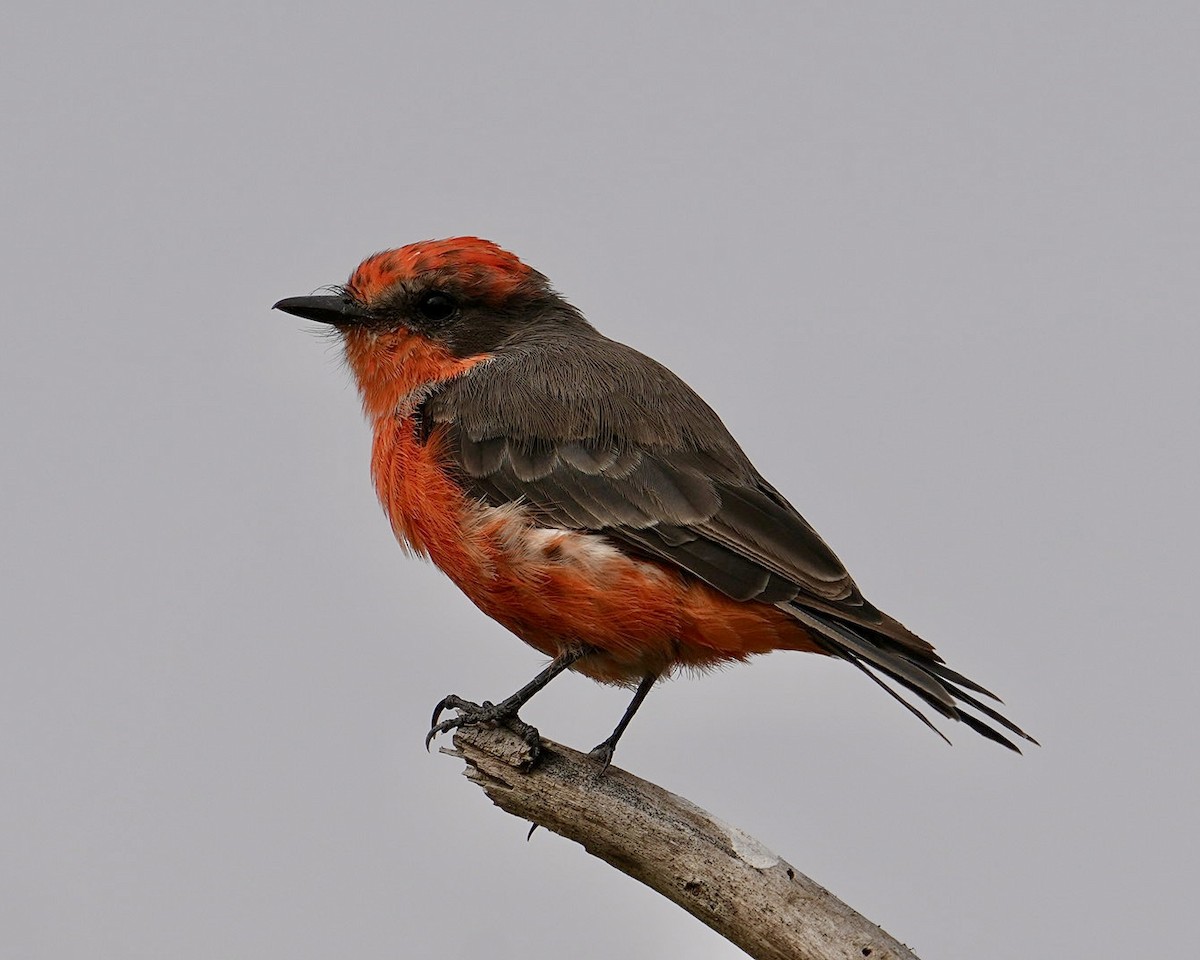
(585, 497)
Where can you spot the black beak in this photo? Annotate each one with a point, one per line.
(339, 311)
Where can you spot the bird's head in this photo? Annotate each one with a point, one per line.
(464, 293)
(411, 315)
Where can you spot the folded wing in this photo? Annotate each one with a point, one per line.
(611, 442)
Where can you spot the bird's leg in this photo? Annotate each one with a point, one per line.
(604, 752)
(505, 711)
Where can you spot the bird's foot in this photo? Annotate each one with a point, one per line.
(604, 754)
(469, 714)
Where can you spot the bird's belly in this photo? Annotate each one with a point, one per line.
(557, 589)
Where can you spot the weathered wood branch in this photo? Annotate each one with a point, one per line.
(720, 875)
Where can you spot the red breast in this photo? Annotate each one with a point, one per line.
(555, 588)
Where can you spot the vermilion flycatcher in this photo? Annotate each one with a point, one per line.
(585, 497)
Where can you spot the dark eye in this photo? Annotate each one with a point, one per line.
(436, 306)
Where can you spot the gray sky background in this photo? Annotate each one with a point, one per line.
(935, 264)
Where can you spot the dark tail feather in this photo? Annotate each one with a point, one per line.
(945, 673)
(990, 732)
(932, 681)
(989, 712)
(892, 693)
(900, 668)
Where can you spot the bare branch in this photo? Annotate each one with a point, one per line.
(720, 875)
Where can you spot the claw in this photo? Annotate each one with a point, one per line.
(437, 711)
(604, 753)
(449, 700)
(442, 728)
(470, 714)
(504, 712)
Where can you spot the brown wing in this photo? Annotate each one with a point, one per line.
(602, 438)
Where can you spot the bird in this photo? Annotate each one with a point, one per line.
(586, 498)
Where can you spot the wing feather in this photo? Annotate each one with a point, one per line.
(635, 455)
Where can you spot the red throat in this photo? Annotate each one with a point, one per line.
(393, 366)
